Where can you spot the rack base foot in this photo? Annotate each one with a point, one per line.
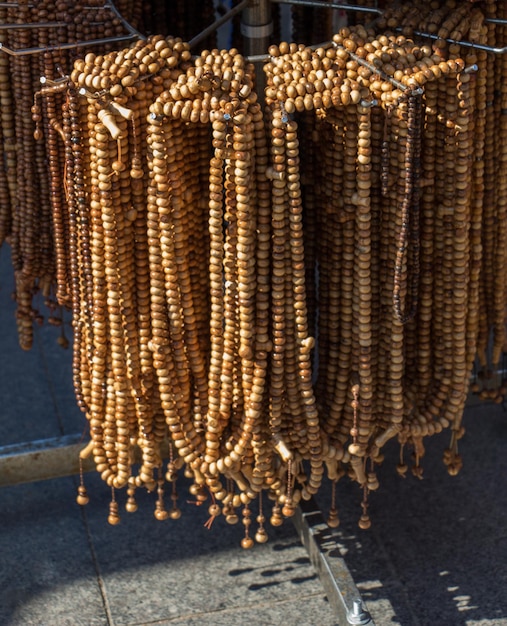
(335, 577)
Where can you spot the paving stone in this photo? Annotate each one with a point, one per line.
(47, 574)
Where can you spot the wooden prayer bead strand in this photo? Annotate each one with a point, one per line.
(304, 341)
(462, 215)
(48, 164)
(393, 342)
(195, 361)
(416, 119)
(16, 80)
(175, 328)
(214, 421)
(452, 21)
(119, 387)
(499, 302)
(99, 338)
(231, 396)
(384, 174)
(121, 230)
(82, 312)
(329, 223)
(243, 137)
(174, 403)
(9, 183)
(22, 240)
(147, 395)
(309, 125)
(440, 185)
(169, 397)
(461, 250)
(6, 122)
(222, 200)
(474, 313)
(73, 180)
(489, 202)
(425, 302)
(502, 124)
(278, 269)
(197, 243)
(350, 198)
(340, 410)
(404, 313)
(387, 174)
(292, 414)
(263, 472)
(198, 233)
(263, 247)
(442, 324)
(242, 422)
(232, 365)
(485, 128)
(141, 416)
(52, 144)
(363, 276)
(446, 210)
(333, 368)
(377, 123)
(247, 285)
(264, 453)
(318, 216)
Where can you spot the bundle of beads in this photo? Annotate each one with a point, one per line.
(395, 339)
(217, 303)
(104, 126)
(470, 22)
(171, 343)
(31, 195)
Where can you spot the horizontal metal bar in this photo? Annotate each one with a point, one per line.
(330, 5)
(17, 25)
(466, 44)
(64, 46)
(42, 460)
(335, 577)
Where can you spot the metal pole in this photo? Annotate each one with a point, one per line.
(257, 28)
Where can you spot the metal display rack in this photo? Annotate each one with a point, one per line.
(60, 456)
